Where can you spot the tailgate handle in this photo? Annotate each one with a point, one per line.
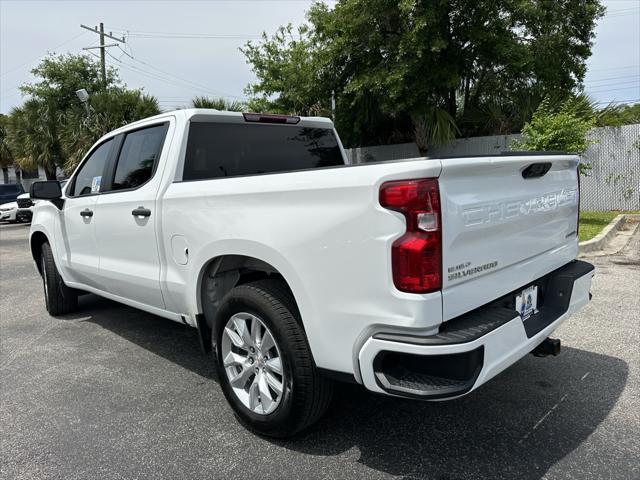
(536, 170)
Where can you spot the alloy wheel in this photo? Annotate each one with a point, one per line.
(252, 363)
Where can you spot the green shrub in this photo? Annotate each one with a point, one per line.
(559, 128)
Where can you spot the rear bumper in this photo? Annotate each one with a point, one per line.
(471, 349)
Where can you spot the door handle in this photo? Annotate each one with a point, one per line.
(86, 213)
(141, 212)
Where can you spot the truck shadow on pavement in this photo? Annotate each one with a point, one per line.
(517, 426)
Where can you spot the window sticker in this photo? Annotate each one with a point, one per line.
(95, 184)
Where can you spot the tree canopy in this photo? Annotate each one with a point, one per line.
(559, 127)
(217, 104)
(59, 76)
(53, 129)
(6, 157)
(109, 109)
(34, 136)
(556, 128)
(395, 66)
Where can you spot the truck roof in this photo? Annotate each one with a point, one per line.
(212, 115)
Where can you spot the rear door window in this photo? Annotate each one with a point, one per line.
(138, 156)
(216, 150)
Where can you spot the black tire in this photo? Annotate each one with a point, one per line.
(59, 298)
(306, 395)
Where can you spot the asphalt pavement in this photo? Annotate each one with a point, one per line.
(111, 393)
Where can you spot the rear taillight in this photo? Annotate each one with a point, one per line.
(416, 257)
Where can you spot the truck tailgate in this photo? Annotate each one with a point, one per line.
(501, 230)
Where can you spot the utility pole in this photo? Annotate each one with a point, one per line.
(102, 61)
(103, 66)
(333, 105)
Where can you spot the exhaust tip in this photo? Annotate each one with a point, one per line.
(550, 346)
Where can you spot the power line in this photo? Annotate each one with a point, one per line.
(614, 89)
(631, 100)
(215, 36)
(615, 15)
(626, 67)
(183, 80)
(173, 80)
(139, 71)
(17, 87)
(613, 78)
(627, 82)
(203, 37)
(176, 82)
(43, 55)
(624, 10)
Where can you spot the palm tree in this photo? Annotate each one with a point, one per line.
(33, 134)
(433, 127)
(218, 104)
(110, 109)
(6, 157)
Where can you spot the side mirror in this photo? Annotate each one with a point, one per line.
(49, 190)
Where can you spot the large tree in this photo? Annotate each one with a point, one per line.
(35, 128)
(59, 76)
(53, 129)
(396, 67)
(108, 110)
(6, 156)
(33, 133)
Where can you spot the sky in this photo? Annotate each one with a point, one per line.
(177, 49)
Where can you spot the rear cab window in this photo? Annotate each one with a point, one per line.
(218, 150)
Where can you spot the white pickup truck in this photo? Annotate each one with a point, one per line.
(420, 278)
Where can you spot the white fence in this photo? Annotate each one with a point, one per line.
(614, 180)
(474, 146)
(612, 184)
(383, 153)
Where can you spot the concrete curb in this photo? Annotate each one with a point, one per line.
(601, 240)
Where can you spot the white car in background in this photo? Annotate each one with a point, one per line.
(25, 208)
(8, 212)
(25, 205)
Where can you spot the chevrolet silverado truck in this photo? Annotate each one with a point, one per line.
(420, 278)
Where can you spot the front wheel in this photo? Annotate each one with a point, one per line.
(264, 362)
(59, 299)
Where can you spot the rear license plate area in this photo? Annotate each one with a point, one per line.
(526, 302)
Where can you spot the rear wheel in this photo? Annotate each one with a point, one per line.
(264, 362)
(59, 298)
